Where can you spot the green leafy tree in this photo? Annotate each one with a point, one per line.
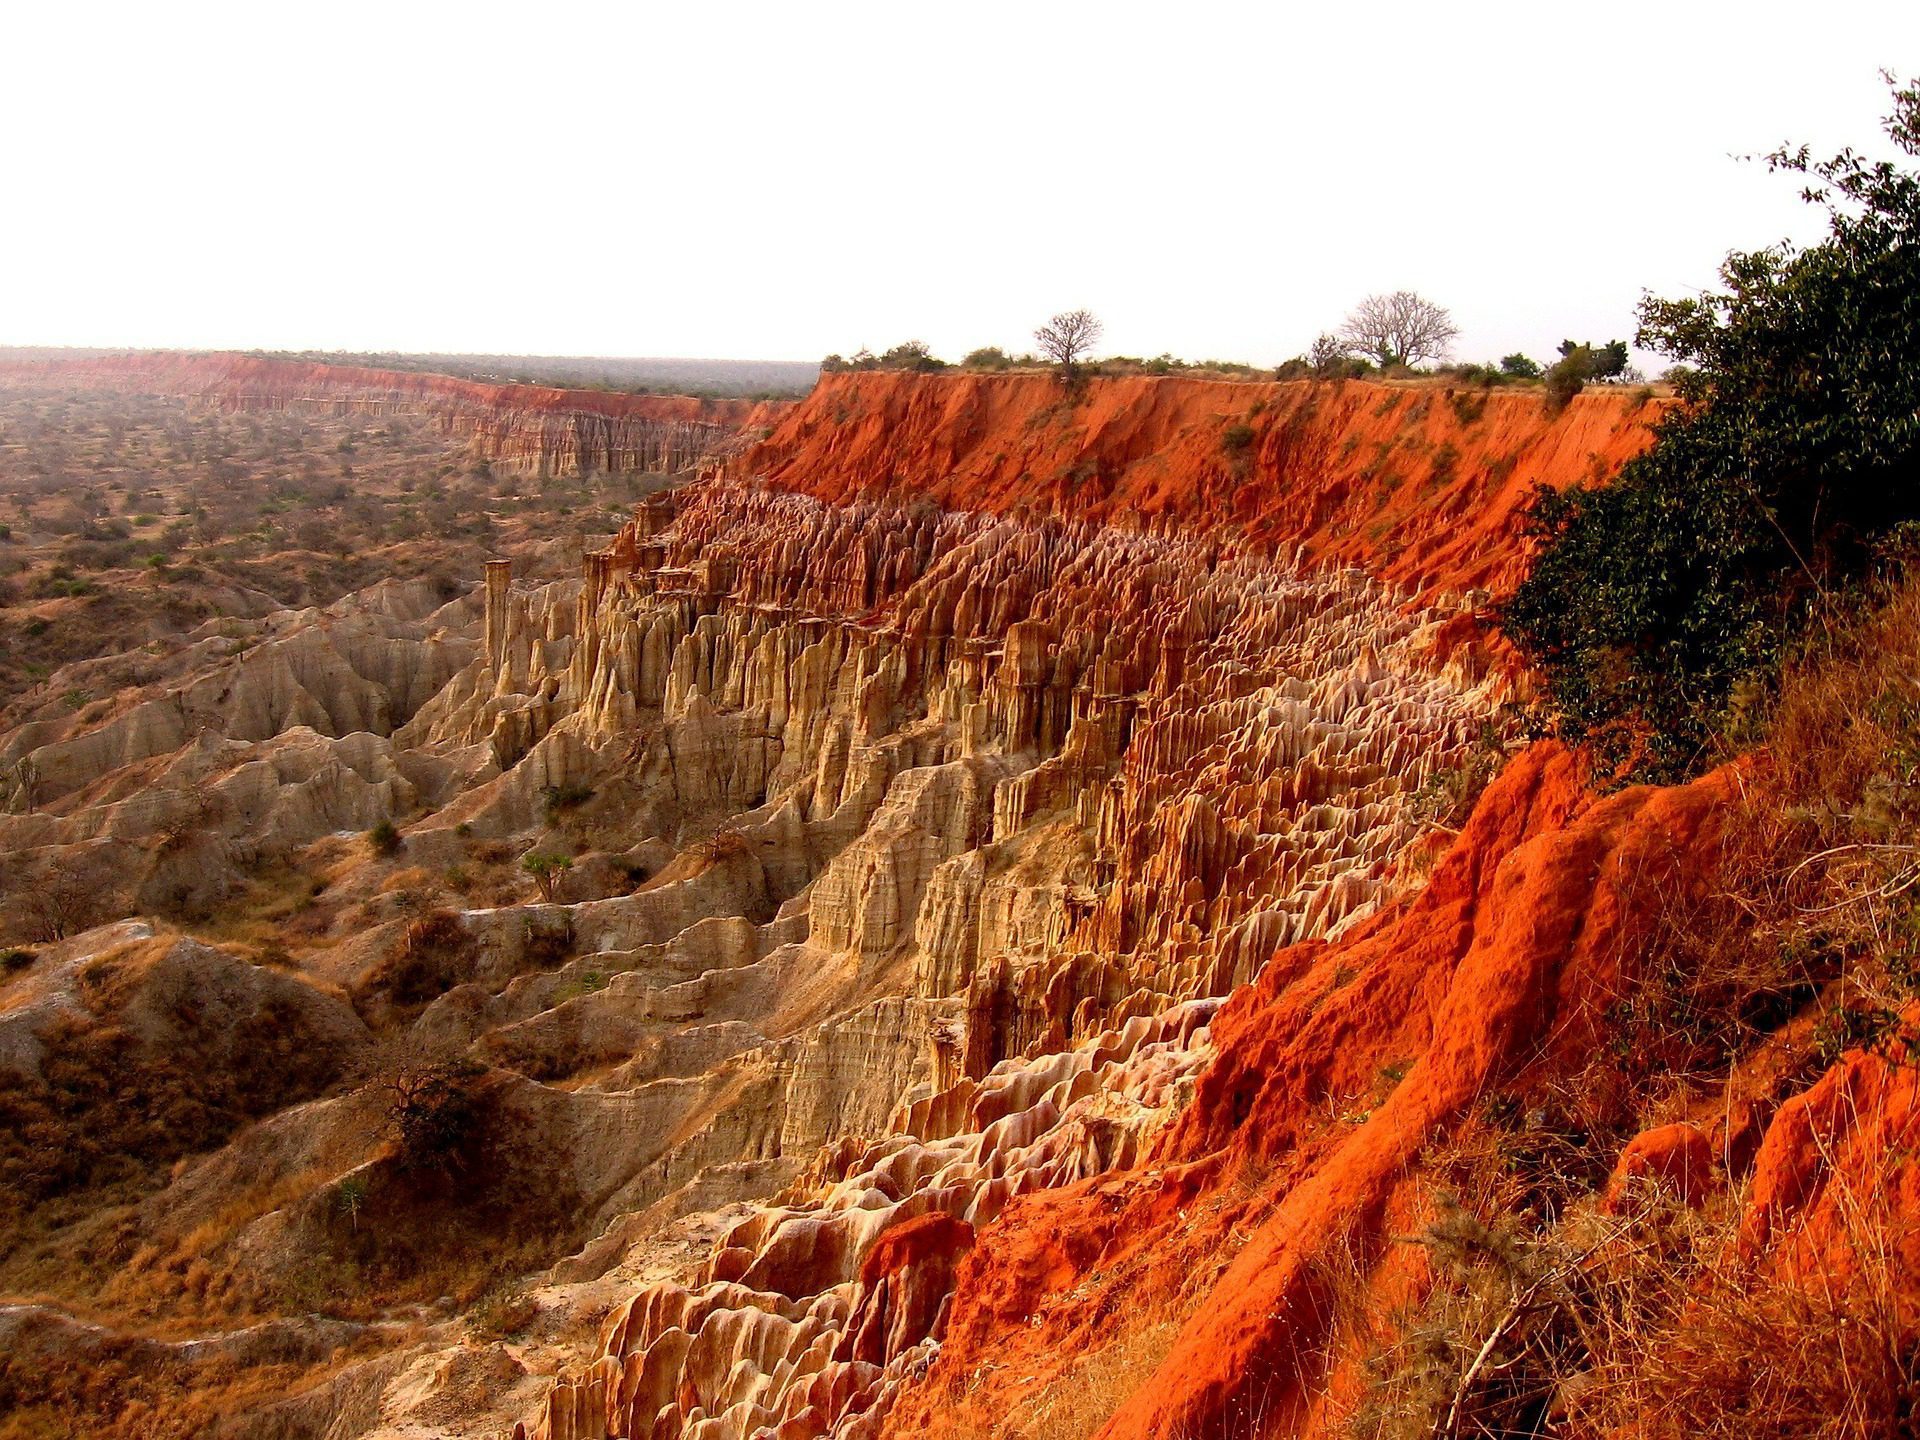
(987, 357)
(911, 355)
(1580, 363)
(1654, 598)
(1520, 366)
(547, 872)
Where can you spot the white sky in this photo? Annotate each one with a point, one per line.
(778, 181)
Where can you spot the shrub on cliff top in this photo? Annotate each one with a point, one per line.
(1579, 364)
(1654, 598)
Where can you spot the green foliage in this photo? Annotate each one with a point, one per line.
(911, 355)
(13, 961)
(1519, 366)
(1580, 363)
(547, 871)
(384, 839)
(1655, 596)
(557, 799)
(988, 357)
(1236, 440)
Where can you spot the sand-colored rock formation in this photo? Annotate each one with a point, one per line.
(1058, 786)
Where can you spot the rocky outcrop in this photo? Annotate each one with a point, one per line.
(530, 429)
(1044, 790)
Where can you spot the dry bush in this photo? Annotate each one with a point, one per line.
(107, 1114)
(430, 957)
(1645, 1323)
(504, 1310)
(1695, 1344)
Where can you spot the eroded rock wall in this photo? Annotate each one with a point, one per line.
(1044, 791)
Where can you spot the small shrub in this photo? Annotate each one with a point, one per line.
(557, 799)
(13, 961)
(547, 871)
(432, 1113)
(384, 839)
(503, 1311)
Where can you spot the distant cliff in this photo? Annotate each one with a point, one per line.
(1422, 486)
(536, 429)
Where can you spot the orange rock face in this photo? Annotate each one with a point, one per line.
(535, 428)
(1501, 965)
(1423, 487)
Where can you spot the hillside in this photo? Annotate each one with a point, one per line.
(984, 912)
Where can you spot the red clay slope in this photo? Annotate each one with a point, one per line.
(1422, 486)
(1497, 975)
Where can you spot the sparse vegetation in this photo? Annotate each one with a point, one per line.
(1398, 330)
(548, 869)
(1067, 339)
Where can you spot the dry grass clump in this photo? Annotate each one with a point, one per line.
(1078, 1403)
(1648, 1322)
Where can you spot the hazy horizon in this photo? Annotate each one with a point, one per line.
(781, 183)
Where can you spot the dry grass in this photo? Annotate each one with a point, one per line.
(1646, 1323)
(1086, 1396)
(1542, 1314)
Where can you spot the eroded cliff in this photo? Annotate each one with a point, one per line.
(1020, 896)
(1420, 485)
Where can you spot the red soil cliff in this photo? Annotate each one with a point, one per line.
(1498, 972)
(1422, 486)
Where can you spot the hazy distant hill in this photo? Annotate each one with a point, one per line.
(756, 379)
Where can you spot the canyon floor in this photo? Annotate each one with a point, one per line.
(953, 906)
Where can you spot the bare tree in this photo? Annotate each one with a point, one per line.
(1398, 329)
(1067, 337)
(1328, 357)
(59, 905)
